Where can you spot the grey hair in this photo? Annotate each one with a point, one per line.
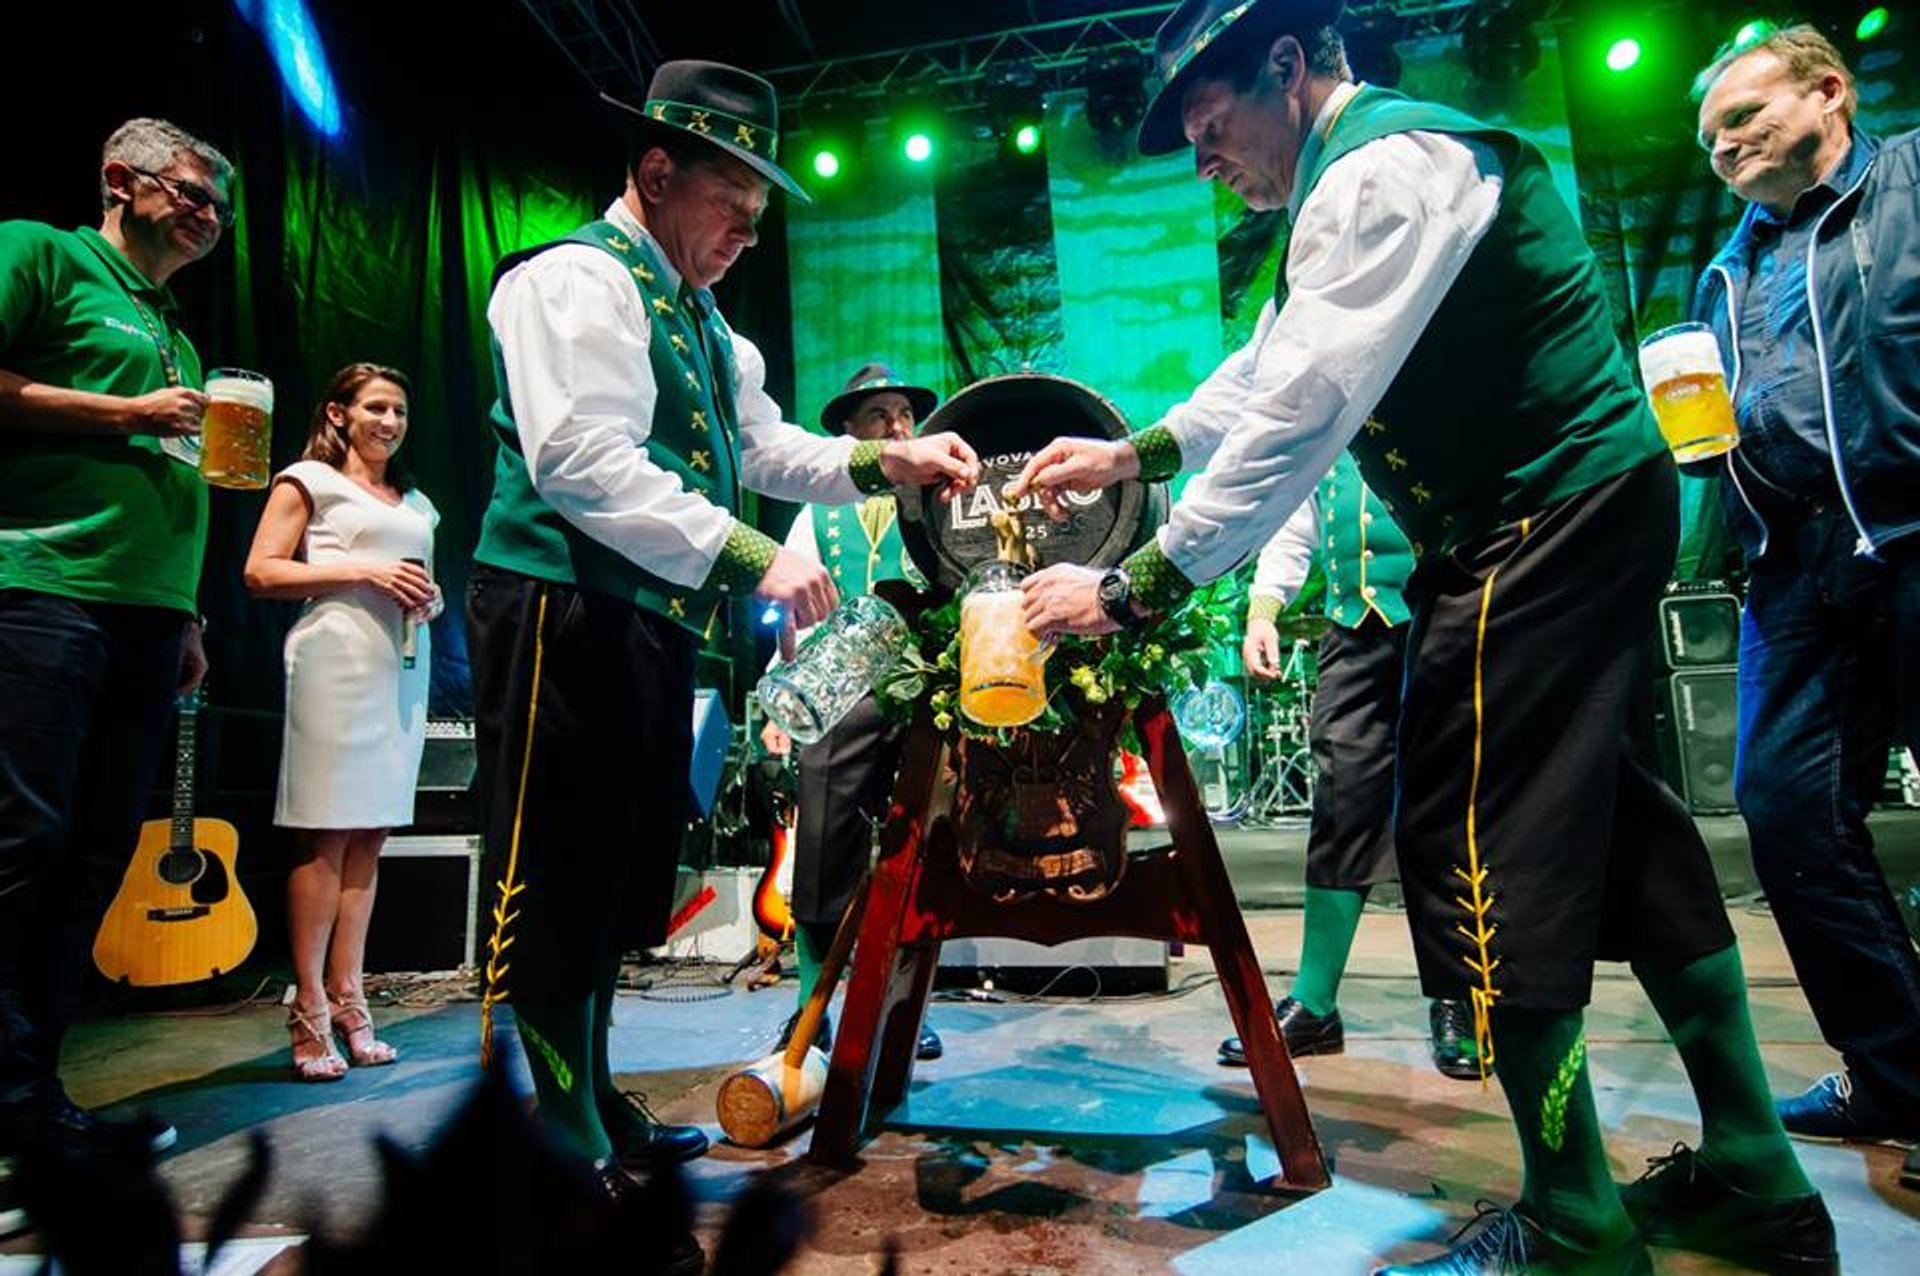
(154, 144)
(1802, 50)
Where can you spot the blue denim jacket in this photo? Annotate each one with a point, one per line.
(1863, 290)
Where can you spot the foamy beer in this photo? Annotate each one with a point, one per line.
(1681, 368)
(1002, 675)
(235, 430)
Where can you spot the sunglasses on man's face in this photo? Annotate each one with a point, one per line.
(191, 195)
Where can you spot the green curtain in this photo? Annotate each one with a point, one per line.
(865, 276)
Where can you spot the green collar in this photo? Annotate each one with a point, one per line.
(126, 272)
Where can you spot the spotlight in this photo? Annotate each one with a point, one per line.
(1623, 55)
(1010, 91)
(830, 137)
(1872, 23)
(1370, 51)
(1116, 91)
(916, 125)
(1499, 42)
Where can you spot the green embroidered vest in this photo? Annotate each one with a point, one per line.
(1366, 556)
(693, 436)
(1518, 393)
(861, 545)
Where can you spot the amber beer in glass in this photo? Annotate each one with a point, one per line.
(235, 430)
(1002, 675)
(1688, 390)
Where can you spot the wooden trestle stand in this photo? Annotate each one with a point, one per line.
(918, 900)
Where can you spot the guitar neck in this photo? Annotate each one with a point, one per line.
(185, 748)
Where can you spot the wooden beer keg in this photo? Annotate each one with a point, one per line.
(1006, 420)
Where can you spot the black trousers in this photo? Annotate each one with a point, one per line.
(1829, 677)
(1356, 708)
(846, 783)
(86, 697)
(1534, 832)
(583, 723)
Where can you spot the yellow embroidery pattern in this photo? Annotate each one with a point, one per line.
(509, 886)
(700, 460)
(1395, 460)
(679, 343)
(677, 608)
(662, 306)
(618, 244)
(697, 121)
(699, 420)
(743, 135)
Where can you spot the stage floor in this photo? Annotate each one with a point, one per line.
(1055, 1136)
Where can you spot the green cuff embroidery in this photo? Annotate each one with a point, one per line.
(1158, 585)
(1553, 1104)
(1159, 453)
(742, 561)
(1264, 607)
(864, 466)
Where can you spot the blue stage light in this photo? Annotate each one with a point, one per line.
(293, 40)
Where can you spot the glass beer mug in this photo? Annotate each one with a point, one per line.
(235, 431)
(842, 658)
(1002, 679)
(1688, 389)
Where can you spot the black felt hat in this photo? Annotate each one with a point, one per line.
(725, 106)
(872, 379)
(1181, 45)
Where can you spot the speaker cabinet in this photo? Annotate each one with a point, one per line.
(1699, 630)
(1698, 723)
(426, 911)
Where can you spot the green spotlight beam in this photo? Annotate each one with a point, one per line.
(1623, 55)
(1872, 23)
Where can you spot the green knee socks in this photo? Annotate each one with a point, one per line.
(1332, 918)
(1541, 1059)
(1704, 1007)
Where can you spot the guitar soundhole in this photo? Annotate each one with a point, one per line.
(178, 868)
(211, 886)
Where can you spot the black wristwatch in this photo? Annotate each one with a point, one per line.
(1116, 599)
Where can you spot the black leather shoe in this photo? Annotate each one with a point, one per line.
(930, 1046)
(682, 1256)
(142, 1132)
(822, 1040)
(642, 1140)
(1450, 1040)
(1684, 1202)
(1831, 1109)
(1910, 1170)
(1305, 1032)
(1509, 1242)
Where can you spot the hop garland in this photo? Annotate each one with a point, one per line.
(1163, 658)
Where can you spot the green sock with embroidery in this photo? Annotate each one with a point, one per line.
(1540, 1057)
(1704, 1007)
(557, 1037)
(1333, 917)
(810, 945)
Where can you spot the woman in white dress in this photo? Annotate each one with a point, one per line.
(345, 530)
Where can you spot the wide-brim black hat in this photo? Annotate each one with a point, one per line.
(723, 105)
(1181, 45)
(872, 379)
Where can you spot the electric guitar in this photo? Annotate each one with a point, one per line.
(180, 914)
(770, 909)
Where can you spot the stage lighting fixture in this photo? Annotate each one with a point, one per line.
(1499, 42)
(1758, 29)
(1623, 55)
(1116, 91)
(918, 146)
(1010, 92)
(1370, 51)
(1872, 23)
(294, 42)
(917, 116)
(829, 137)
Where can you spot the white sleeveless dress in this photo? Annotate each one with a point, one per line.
(356, 719)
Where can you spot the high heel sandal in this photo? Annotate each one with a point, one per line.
(314, 1030)
(351, 1018)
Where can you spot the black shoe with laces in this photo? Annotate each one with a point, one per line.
(641, 1140)
(61, 1120)
(1451, 1041)
(1831, 1108)
(1499, 1241)
(682, 1255)
(1683, 1202)
(1305, 1032)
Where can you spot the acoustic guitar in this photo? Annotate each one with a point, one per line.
(180, 914)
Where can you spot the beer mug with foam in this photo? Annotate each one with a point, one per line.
(1688, 390)
(235, 432)
(1003, 680)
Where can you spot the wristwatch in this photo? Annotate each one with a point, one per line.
(1116, 599)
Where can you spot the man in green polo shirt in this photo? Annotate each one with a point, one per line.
(1442, 318)
(630, 419)
(101, 534)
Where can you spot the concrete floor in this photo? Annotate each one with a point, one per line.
(1055, 1136)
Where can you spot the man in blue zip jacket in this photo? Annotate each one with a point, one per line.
(1816, 303)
